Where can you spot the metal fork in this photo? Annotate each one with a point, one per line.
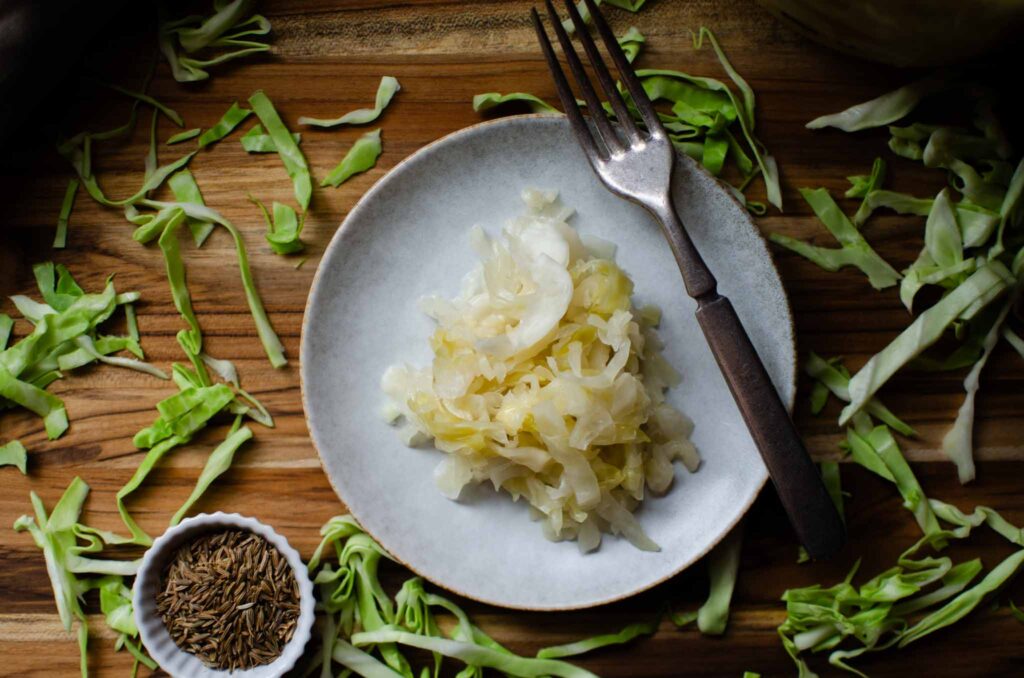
(638, 167)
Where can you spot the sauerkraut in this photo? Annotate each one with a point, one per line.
(547, 382)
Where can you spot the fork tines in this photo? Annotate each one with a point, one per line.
(608, 142)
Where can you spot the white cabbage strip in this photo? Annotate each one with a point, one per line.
(548, 383)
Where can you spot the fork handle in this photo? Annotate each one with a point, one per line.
(799, 485)
(811, 511)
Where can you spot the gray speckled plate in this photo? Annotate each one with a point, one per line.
(407, 237)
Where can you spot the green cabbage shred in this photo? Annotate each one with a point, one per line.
(284, 227)
(385, 92)
(973, 254)
(882, 110)
(225, 35)
(707, 121)
(68, 547)
(488, 100)
(256, 140)
(60, 238)
(723, 566)
(972, 247)
(232, 118)
(183, 136)
(364, 630)
(14, 454)
(185, 189)
(361, 157)
(887, 610)
(293, 159)
(65, 327)
(854, 250)
(271, 343)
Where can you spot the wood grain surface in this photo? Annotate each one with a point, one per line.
(327, 58)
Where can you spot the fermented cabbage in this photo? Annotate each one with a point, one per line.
(547, 382)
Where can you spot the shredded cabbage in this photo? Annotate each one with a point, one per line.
(488, 100)
(231, 32)
(183, 136)
(61, 237)
(185, 189)
(547, 382)
(855, 250)
(972, 251)
(283, 228)
(231, 119)
(257, 140)
(361, 157)
(833, 377)
(923, 332)
(291, 156)
(625, 635)
(884, 611)
(723, 566)
(65, 336)
(63, 541)
(882, 110)
(385, 91)
(957, 444)
(702, 117)
(366, 630)
(14, 454)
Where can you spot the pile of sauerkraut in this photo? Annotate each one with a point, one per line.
(547, 382)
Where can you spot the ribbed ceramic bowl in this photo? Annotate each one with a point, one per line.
(154, 634)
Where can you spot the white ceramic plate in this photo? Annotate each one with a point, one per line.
(408, 237)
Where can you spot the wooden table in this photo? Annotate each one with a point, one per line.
(327, 58)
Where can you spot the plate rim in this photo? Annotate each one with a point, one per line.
(311, 297)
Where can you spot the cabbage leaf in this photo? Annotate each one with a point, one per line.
(257, 140)
(183, 136)
(271, 343)
(185, 189)
(723, 566)
(292, 157)
(488, 100)
(60, 238)
(14, 454)
(231, 119)
(361, 157)
(854, 250)
(218, 462)
(922, 333)
(229, 29)
(283, 227)
(385, 92)
(957, 443)
(882, 110)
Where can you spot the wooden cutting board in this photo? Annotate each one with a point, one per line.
(327, 58)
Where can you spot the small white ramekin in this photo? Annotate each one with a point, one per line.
(155, 636)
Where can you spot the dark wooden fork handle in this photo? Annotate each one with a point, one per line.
(796, 478)
(813, 515)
